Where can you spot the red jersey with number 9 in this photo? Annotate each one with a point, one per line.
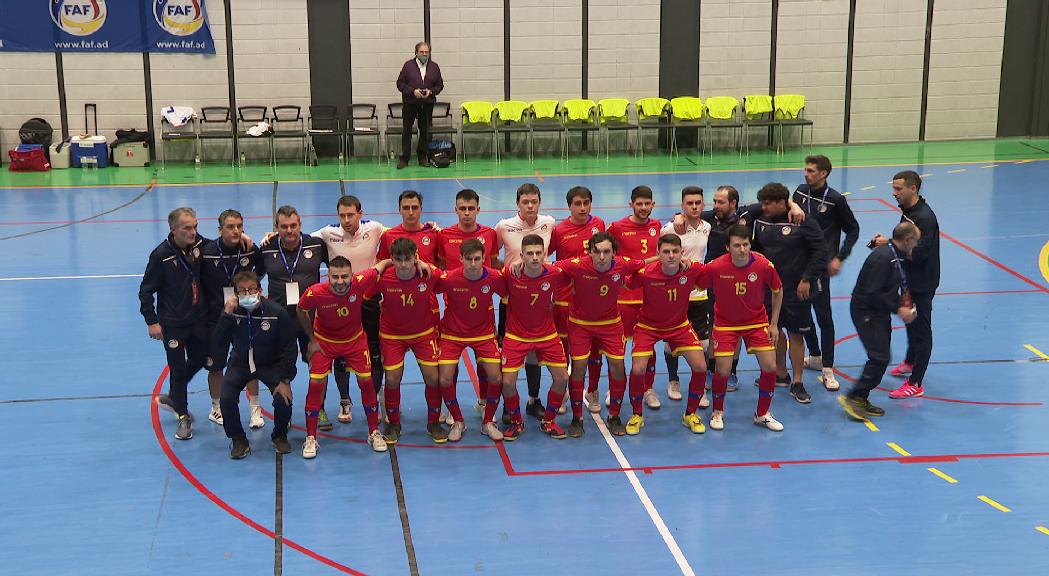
(739, 291)
(337, 319)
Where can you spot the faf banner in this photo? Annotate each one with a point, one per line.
(105, 26)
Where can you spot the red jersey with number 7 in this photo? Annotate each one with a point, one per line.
(468, 310)
(337, 319)
(406, 309)
(530, 314)
(739, 291)
(665, 297)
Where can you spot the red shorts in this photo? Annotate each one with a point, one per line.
(425, 347)
(561, 319)
(679, 339)
(549, 352)
(628, 313)
(355, 353)
(606, 338)
(725, 340)
(486, 349)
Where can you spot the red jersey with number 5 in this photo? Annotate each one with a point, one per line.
(406, 309)
(570, 240)
(468, 309)
(638, 241)
(337, 319)
(530, 315)
(665, 297)
(739, 291)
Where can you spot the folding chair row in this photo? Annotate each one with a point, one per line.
(215, 123)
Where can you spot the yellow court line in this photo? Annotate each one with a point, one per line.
(1043, 261)
(871, 426)
(994, 504)
(1042, 529)
(956, 171)
(865, 188)
(942, 475)
(897, 448)
(927, 175)
(1037, 351)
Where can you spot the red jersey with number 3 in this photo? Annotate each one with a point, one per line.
(570, 240)
(739, 291)
(638, 241)
(425, 240)
(596, 294)
(530, 315)
(406, 308)
(337, 318)
(468, 308)
(450, 239)
(665, 297)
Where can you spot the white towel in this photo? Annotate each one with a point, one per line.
(178, 115)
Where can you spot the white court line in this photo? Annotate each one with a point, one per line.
(70, 277)
(671, 543)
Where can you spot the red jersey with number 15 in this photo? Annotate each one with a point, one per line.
(450, 239)
(638, 241)
(665, 297)
(530, 314)
(468, 310)
(338, 318)
(406, 309)
(739, 291)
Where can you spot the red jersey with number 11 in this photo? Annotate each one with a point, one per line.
(739, 291)
(665, 297)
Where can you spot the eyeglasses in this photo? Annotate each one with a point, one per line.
(248, 292)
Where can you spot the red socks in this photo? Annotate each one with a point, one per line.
(370, 400)
(553, 404)
(719, 386)
(575, 392)
(766, 389)
(637, 392)
(433, 404)
(650, 376)
(695, 391)
(392, 395)
(491, 400)
(448, 395)
(314, 402)
(593, 366)
(616, 389)
(513, 407)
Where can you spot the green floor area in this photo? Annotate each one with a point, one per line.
(654, 161)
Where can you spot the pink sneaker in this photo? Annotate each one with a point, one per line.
(907, 390)
(904, 369)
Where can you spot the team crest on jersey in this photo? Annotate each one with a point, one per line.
(172, 343)
(682, 280)
(265, 325)
(786, 230)
(481, 240)
(652, 232)
(752, 277)
(594, 230)
(823, 208)
(485, 289)
(615, 277)
(544, 227)
(307, 253)
(244, 261)
(196, 252)
(422, 286)
(544, 286)
(426, 240)
(353, 298)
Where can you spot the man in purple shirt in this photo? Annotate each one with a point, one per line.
(419, 84)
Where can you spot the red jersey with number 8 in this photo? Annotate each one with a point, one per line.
(468, 309)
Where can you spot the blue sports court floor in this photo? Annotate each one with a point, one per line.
(953, 483)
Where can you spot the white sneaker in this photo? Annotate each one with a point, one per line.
(376, 440)
(446, 417)
(717, 420)
(674, 390)
(704, 401)
(345, 411)
(814, 362)
(830, 382)
(564, 405)
(769, 422)
(256, 420)
(216, 415)
(592, 402)
(456, 433)
(309, 448)
(492, 431)
(479, 406)
(652, 400)
(608, 399)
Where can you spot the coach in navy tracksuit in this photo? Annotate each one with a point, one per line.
(264, 348)
(179, 319)
(830, 209)
(879, 293)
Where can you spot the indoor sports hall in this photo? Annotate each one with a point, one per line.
(948, 483)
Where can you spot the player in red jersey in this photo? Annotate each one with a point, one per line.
(594, 323)
(410, 205)
(469, 322)
(569, 240)
(665, 287)
(406, 323)
(467, 206)
(637, 236)
(330, 314)
(530, 329)
(739, 280)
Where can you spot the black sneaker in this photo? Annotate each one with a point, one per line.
(871, 409)
(797, 390)
(437, 432)
(391, 432)
(781, 381)
(615, 426)
(506, 418)
(575, 428)
(853, 407)
(281, 444)
(240, 448)
(535, 409)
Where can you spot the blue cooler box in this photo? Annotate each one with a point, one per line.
(94, 146)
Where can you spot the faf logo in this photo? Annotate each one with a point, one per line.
(79, 17)
(179, 17)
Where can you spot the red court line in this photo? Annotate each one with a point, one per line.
(927, 397)
(177, 463)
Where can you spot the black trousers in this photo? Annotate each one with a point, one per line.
(821, 308)
(370, 320)
(919, 337)
(187, 349)
(411, 113)
(233, 383)
(875, 332)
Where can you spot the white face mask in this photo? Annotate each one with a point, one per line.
(249, 302)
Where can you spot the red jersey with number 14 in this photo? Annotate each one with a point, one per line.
(638, 241)
(406, 309)
(665, 297)
(338, 318)
(739, 291)
(468, 310)
(530, 314)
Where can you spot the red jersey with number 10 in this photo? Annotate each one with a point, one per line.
(595, 295)
(338, 318)
(665, 297)
(468, 310)
(530, 314)
(406, 309)
(739, 291)
(638, 241)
